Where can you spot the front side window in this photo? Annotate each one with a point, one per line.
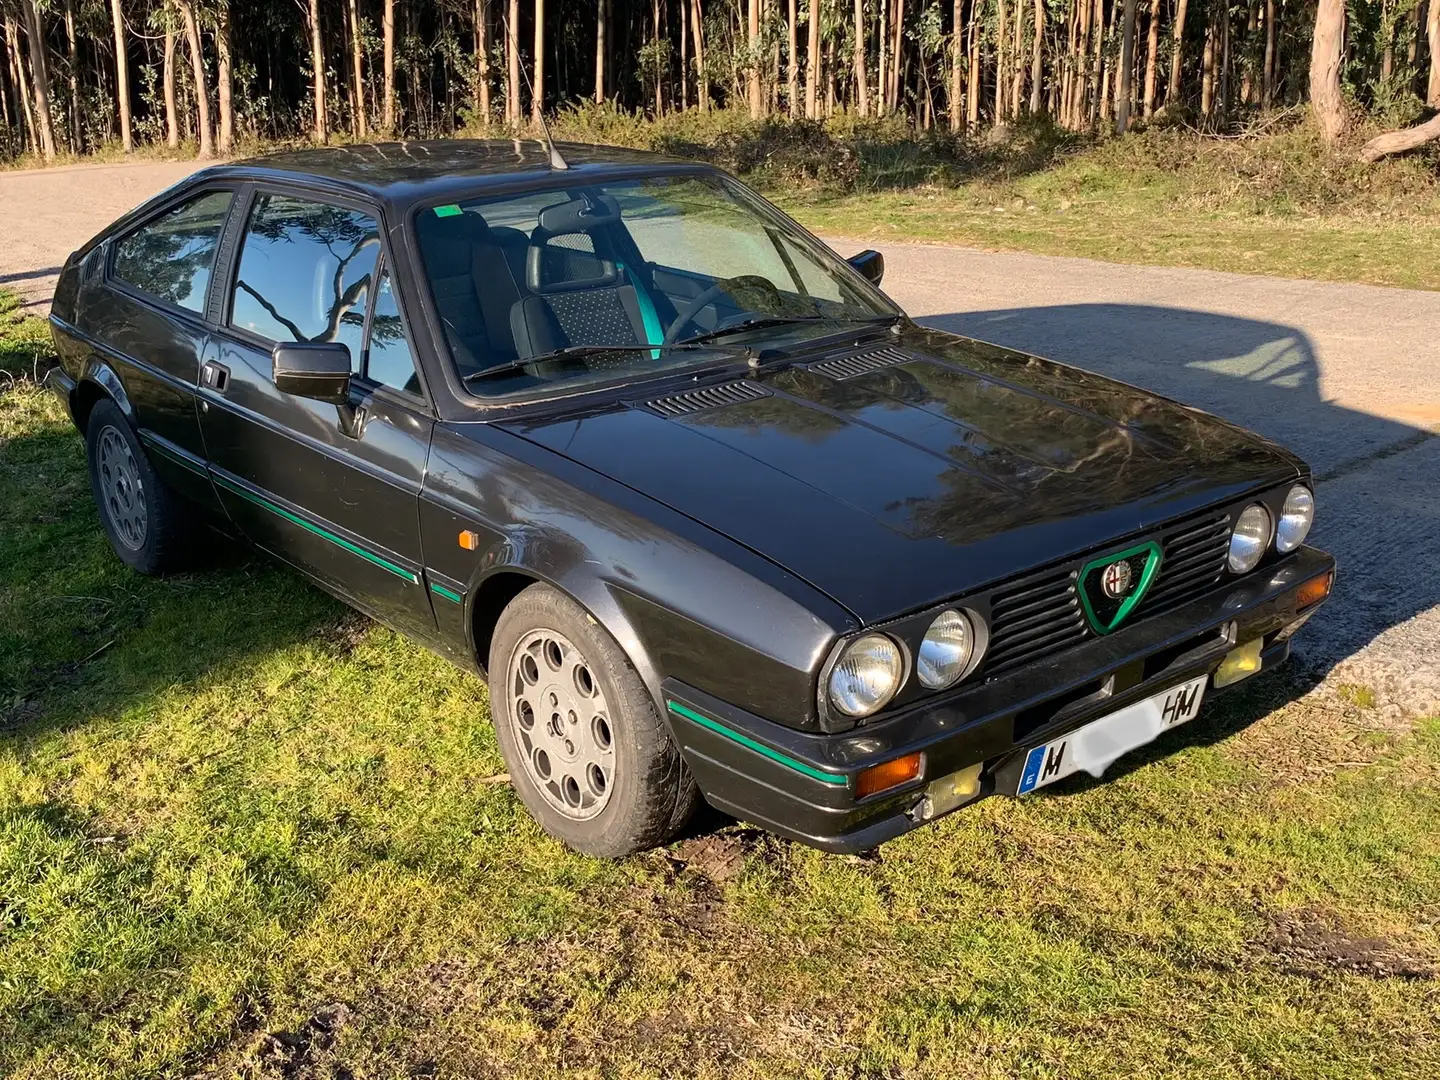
(598, 282)
(171, 257)
(305, 274)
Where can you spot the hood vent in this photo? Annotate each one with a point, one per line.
(709, 397)
(849, 367)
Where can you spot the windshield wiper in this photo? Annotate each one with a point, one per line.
(752, 324)
(579, 352)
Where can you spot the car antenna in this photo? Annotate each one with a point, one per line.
(557, 160)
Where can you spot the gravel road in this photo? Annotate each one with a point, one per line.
(1347, 375)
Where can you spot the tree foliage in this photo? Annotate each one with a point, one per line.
(285, 70)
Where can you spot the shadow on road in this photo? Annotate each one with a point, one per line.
(1378, 487)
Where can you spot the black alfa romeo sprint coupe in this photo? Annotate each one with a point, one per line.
(712, 515)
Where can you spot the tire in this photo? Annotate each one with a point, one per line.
(148, 525)
(648, 793)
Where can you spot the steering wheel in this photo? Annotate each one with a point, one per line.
(741, 288)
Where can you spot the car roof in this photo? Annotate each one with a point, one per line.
(402, 173)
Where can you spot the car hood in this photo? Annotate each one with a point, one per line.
(898, 474)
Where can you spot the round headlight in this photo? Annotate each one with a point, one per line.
(1250, 538)
(866, 676)
(1296, 517)
(946, 650)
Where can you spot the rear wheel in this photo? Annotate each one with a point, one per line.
(147, 523)
(587, 752)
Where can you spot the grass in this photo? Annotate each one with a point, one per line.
(246, 833)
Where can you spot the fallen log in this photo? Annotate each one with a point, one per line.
(1397, 142)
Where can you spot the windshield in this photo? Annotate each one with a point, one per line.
(573, 286)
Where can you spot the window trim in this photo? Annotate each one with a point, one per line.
(181, 198)
(240, 220)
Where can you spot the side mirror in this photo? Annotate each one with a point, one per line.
(313, 369)
(871, 265)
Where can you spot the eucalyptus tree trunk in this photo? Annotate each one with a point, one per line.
(224, 79)
(755, 90)
(702, 80)
(317, 62)
(897, 43)
(537, 83)
(1177, 52)
(1432, 29)
(882, 81)
(122, 77)
(1001, 52)
(74, 50)
(1207, 67)
(17, 74)
(792, 60)
(1325, 99)
(40, 75)
(602, 16)
(172, 116)
(482, 61)
(972, 88)
(1268, 90)
(812, 63)
(513, 105)
(357, 73)
(957, 65)
(1037, 59)
(862, 77)
(197, 68)
(1127, 68)
(1017, 69)
(1152, 53)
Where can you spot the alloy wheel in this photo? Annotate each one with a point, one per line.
(562, 723)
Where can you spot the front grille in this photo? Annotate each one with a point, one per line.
(708, 397)
(1037, 615)
(1032, 617)
(1194, 558)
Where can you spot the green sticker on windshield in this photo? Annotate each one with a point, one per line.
(448, 211)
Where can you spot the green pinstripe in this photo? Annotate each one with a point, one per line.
(750, 744)
(324, 534)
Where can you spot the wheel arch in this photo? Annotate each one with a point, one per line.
(493, 593)
(100, 382)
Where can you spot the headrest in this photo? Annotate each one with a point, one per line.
(446, 242)
(579, 215)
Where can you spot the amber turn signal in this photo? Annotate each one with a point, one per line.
(887, 774)
(469, 540)
(1314, 590)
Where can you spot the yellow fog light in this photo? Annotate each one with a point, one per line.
(945, 794)
(1239, 663)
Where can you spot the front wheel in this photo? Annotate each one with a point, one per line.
(586, 751)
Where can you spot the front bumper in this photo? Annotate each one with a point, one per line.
(802, 785)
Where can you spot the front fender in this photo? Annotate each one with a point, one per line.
(681, 600)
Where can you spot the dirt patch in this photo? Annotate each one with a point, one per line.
(291, 1054)
(1315, 945)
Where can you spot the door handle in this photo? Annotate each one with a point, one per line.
(214, 376)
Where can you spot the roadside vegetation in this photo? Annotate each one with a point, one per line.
(244, 832)
(1272, 201)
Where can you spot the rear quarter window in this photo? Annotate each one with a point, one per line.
(170, 257)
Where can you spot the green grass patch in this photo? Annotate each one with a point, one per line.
(244, 832)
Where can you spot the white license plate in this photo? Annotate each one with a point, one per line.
(1095, 746)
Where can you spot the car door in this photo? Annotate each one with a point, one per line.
(333, 489)
(146, 319)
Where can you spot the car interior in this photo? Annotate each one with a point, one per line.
(575, 278)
